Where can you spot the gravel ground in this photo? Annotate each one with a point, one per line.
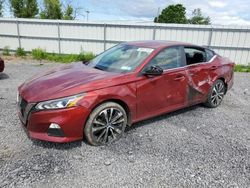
(194, 147)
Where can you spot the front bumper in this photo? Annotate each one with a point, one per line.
(71, 121)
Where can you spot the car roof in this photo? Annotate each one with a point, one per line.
(158, 43)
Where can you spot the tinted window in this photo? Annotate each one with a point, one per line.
(168, 58)
(194, 55)
(209, 54)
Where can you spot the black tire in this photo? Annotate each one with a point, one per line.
(105, 124)
(216, 94)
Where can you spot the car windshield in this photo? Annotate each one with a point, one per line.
(122, 58)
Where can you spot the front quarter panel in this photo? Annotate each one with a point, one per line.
(125, 93)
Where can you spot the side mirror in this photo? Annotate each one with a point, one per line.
(85, 62)
(153, 71)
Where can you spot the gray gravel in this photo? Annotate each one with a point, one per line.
(194, 147)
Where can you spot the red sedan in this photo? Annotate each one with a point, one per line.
(1, 65)
(128, 83)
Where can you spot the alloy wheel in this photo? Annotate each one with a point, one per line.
(217, 93)
(108, 125)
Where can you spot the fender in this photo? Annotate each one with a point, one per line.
(124, 95)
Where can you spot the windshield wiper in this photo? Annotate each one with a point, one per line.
(98, 68)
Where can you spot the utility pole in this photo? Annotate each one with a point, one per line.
(87, 16)
(158, 13)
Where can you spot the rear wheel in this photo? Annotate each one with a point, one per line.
(216, 94)
(105, 124)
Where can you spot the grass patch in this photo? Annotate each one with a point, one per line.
(20, 52)
(40, 54)
(6, 51)
(242, 68)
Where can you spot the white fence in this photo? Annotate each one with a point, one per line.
(74, 36)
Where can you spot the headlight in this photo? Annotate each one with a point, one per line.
(66, 102)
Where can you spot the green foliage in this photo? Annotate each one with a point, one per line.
(81, 57)
(198, 18)
(52, 10)
(68, 13)
(20, 52)
(242, 68)
(173, 14)
(88, 57)
(68, 58)
(38, 54)
(1, 8)
(177, 14)
(24, 8)
(85, 56)
(62, 58)
(6, 51)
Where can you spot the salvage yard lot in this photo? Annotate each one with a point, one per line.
(196, 146)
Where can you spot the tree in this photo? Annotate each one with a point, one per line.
(1, 8)
(173, 14)
(52, 10)
(68, 13)
(198, 18)
(24, 8)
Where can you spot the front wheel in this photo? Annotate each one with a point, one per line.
(105, 124)
(216, 94)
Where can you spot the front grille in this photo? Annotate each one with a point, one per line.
(25, 108)
(22, 105)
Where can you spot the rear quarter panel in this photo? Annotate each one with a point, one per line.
(226, 70)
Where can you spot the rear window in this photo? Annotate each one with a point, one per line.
(209, 54)
(194, 55)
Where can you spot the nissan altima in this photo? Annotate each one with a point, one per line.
(128, 83)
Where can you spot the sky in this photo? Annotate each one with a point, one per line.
(229, 12)
(221, 12)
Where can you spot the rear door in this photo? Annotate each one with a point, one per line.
(198, 66)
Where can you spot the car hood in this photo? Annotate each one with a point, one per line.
(64, 81)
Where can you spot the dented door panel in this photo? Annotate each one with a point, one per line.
(199, 81)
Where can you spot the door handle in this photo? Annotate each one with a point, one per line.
(179, 78)
(192, 74)
(213, 68)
